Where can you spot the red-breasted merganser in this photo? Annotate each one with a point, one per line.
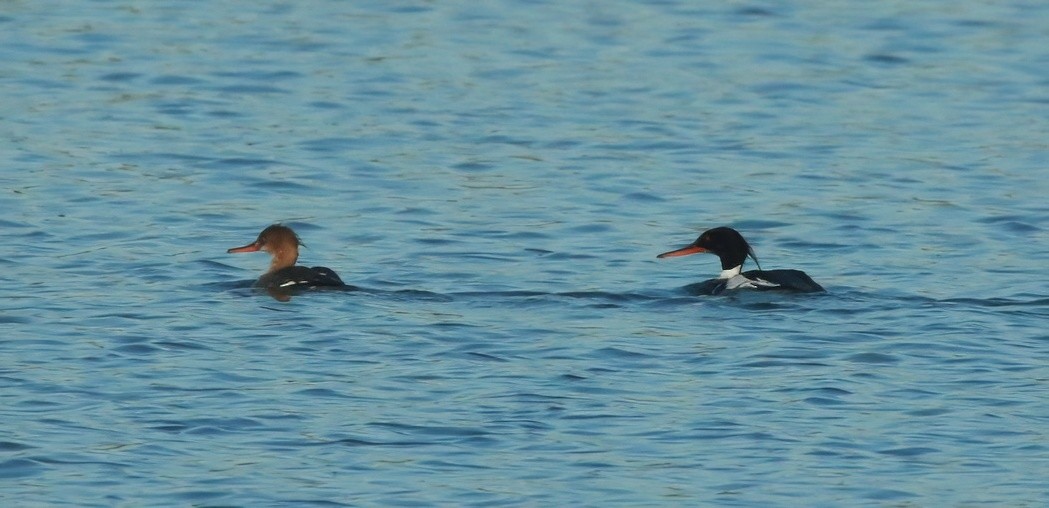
(283, 244)
(727, 244)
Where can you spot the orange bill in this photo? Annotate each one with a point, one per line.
(251, 247)
(684, 251)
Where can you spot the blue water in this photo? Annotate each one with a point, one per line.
(498, 177)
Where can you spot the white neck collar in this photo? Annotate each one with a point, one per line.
(731, 272)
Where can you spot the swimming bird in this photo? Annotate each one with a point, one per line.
(283, 244)
(728, 245)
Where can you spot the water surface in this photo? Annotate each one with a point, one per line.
(497, 179)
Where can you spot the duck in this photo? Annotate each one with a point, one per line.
(732, 249)
(282, 244)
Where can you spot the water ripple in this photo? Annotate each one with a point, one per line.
(494, 180)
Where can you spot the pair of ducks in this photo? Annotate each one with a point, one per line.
(724, 242)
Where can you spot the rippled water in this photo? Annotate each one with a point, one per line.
(497, 178)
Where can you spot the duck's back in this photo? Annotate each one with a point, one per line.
(785, 280)
(759, 280)
(300, 277)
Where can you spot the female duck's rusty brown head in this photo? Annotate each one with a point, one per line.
(279, 241)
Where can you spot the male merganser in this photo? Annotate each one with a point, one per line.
(283, 244)
(727, 244)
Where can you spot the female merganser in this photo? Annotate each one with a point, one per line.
(283, 244)
(727, 244)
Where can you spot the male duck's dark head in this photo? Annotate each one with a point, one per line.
(724, 242)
